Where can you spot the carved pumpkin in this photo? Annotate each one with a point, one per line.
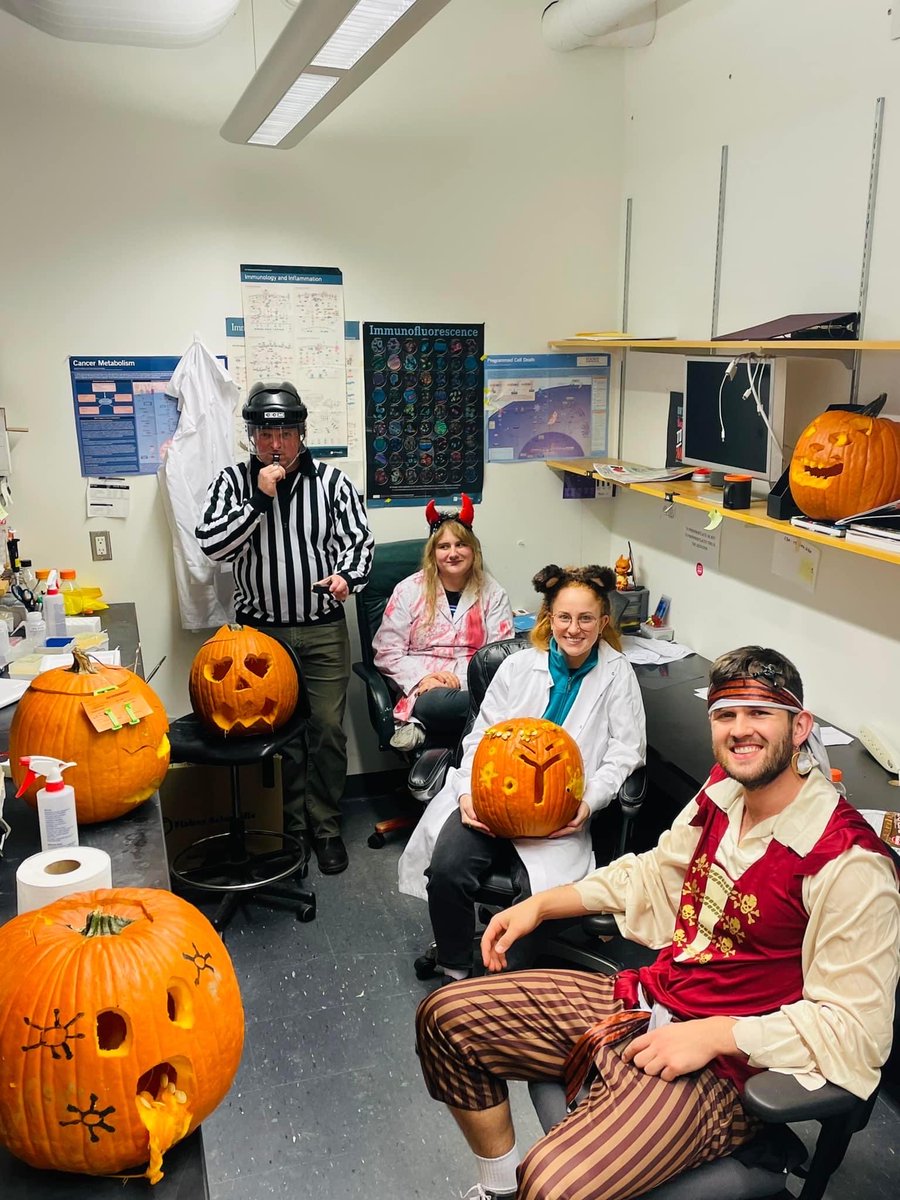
(527, 778)
(117, 769)
(846, 463)
(121, 1029)
(243, 681)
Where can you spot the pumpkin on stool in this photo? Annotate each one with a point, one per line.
(121, 1029)
(846, 463)
(243, 682)
(527, 778)
(116, 769)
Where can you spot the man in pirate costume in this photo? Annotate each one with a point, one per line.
(777, 912)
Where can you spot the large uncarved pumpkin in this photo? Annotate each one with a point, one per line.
(243, 682)
(121, 1029)
(846, 462)
(527, 778)
(117, 769)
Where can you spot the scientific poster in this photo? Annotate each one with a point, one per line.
(294, 332)
(542, 406)
(424, 388)
(123, 417)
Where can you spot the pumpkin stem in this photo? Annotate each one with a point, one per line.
(82, 664)
(875, 407)
(100, 924)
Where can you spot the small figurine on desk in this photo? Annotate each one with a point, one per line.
(624, 572)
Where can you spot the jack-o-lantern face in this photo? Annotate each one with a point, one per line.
(845, 463)
(121, 1029)
(243, 681)
(527, 778)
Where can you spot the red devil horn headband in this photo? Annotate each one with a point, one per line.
(465, 516)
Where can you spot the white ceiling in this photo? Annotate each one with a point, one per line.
(444, 77)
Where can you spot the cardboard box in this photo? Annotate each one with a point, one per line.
(196, 801)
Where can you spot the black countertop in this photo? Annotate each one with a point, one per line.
(137, 848)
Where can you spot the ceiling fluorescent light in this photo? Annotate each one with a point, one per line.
(341, 43)
(359, 31)
(306, 93)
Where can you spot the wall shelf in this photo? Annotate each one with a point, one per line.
(812, 347)
(697, 495)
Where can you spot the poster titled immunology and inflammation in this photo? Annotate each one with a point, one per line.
(424, 389)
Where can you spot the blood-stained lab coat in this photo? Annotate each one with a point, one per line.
(203, 444)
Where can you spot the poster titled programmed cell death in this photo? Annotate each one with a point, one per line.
(424, 387)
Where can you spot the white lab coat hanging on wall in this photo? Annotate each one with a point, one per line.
(201, 447)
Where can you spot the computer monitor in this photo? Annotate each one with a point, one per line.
(747, 447)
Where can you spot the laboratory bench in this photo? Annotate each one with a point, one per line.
(137, 848)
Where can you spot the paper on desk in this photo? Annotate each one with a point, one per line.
(834, 737)
(644, 650)
(12, 690)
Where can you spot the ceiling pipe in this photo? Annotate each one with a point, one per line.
(568, 24)
(164, 24)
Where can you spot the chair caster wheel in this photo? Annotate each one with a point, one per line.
(375, 841)
(425, 966)
(307, 913)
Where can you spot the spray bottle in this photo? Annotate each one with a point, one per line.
(54, 609)
(55, 802)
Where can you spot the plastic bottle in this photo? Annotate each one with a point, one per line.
(35, 631)
(837, 776)
(55, 802)
(41, 589)
(68, 589)
(54, 609)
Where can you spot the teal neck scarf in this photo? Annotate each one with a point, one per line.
(566, 682)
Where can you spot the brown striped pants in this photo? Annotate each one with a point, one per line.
(630, 1133)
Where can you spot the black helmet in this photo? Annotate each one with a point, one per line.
(274, 404)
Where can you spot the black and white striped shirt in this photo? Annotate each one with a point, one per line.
(279, 546)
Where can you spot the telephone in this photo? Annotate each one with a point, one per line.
(882, 748)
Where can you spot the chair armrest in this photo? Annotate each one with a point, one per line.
(632, 792)
(427, 774)
(602, 925)
(778, 1098)
(380, 702)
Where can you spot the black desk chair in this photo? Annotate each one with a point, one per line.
(426, 778)
(393, 562)
(243, 865)
(761, 1168)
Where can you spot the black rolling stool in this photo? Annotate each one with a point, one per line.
(245, 865)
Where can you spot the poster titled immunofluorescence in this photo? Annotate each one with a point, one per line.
(424, 388)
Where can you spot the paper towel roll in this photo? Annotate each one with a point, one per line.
(53, 874)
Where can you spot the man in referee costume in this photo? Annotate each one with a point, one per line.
(296, 534)
(776, 911)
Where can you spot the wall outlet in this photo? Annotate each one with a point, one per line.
(101, 546)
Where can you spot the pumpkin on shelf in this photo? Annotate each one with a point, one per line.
(846, 463)
(121, 1029)
(527, 778)
(243, 682)
(116, 768)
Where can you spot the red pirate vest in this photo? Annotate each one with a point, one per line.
(736, 949)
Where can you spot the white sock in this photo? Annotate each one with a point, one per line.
(457, 973)
(498, 1175)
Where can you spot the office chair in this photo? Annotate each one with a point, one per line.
(426, 778)
(243, 865)
(761, 1168)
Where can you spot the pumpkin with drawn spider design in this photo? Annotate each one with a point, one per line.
(121, 1029)
(527, 778)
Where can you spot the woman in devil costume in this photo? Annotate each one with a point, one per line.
(433, 623)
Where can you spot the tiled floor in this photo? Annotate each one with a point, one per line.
(329, 1103)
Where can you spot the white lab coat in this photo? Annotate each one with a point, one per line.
(201, 447)
(607, 722)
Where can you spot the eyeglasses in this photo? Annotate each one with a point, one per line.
(583, 621)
